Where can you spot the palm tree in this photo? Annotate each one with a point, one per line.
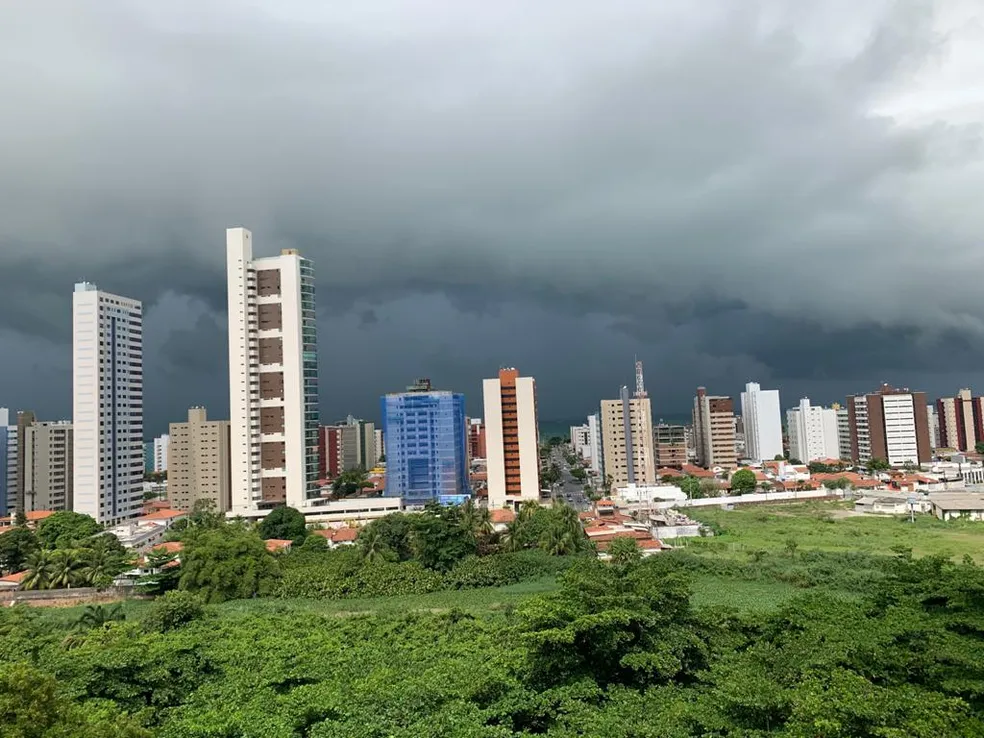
(527, 510)
(98, 566)
(97, 616)
(511, 540)
(64, 570)
(624, 550)
(373, 546)
(39, 565)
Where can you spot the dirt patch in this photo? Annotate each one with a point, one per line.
(63, 602)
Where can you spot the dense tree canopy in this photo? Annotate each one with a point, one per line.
(743, 481)
(16, 545)
(284, 522)
(65, 529)
(225, 564)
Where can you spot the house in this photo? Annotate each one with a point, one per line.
(335, 537)
(892, 503)
(33, 518)
(953, 505)
(648, 546)
(278, 545)
(12, 581)
(501, 519)
(695, 471)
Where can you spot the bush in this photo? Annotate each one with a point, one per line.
(502, 569)
(173, 610)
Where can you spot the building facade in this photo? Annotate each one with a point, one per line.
(8, 464)
(477, 448)
(380, 446)
(961, 421)
(273, 376)
(813, 432)
(161, 444)
(671, 445)
(627, 440)
(714, 430)
(889, 424)
(597, 444)
(934, 426)
(107, 404)
(48, 464)
(762, 420)
(339, 449)
(580, 436)
(424, 432)
(200, 462)
(512, 439)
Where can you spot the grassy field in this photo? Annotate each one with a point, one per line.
(824, 526)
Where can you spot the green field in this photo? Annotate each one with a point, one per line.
(829, 527)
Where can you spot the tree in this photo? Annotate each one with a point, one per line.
(624, 551)
(877, 464)
(550, 475)
(285, 523)
(709, 488)
(390, 533)
(373, 547)
(101, 559)
(163, 575)
(98, 616)
(226, 564)
(743, 481)
(350, 483)
(790, 546)
(16, 546)
(578, 473)
(779, 457)
(979, 447)
(173, 610)
(63, 570)
(690, 486)
(65, 529)
(439, 541)
(39, 566)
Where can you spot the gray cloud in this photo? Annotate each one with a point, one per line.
(714, 186)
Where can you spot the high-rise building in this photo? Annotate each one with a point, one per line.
(934, 427)
(339, 449)
(627, 440)
(477, 448)
(843, 431)
(48, 466)
(107, 404)
(597, 446)
(762, 420)
(365, 442)
(580, 436)
(671, 445)
(426, 458)
(8, 463)
(199, 462)
(714, 430)
(512, 439)
(380, 446)
(961, 421)
(273, 376)
(889, 424)
(812, 432)
(161, 444)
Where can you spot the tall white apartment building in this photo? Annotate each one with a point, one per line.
(107, 404)
(161, 446)
(627, 440)
(581, 440)
(843, 431)
(595, 440)
(812, 432)
(512, 439)
(8, 463)
(762, 421)
(273, 377)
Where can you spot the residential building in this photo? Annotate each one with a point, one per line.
(671, 445)
(627, 440)
(597, 446)
(273, 376)
(477, 447)
(714, 430)
(843, 431)
(339, 449)
(580, 436)
(25, 418)
(48, 466)
(934, 427)
(960, 420)
(889, 424)
(161, 444)
(107, 404)
(365, 442)
(762, 419)
(200, 467)
(8, 463)
(148, 449)
(379, 444)
(424, 430)
(512, 439)
(812, 432)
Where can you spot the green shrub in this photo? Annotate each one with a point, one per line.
(173, 610)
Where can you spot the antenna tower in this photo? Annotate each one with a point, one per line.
(640, 390)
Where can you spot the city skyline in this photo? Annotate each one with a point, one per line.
(462, 213)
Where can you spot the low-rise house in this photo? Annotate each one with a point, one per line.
(278, 545)
(32, 518)
(953, 505)
(13, 581)
(142, 534)
(501, 519)
(335, 537)
(673, 524)
(892, 503)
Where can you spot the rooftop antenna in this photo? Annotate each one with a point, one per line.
(640, 390)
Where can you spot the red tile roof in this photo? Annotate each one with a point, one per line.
(502, 516)
(274, 545)
(696, 471)
(15, 578)
(165, 514)
(32, 517)
(345, 535)
(168, 546)
(665, 471)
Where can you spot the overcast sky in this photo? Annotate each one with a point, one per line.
(765, 190)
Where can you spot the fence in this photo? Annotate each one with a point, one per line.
(756, 497)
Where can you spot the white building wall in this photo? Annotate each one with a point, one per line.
(812, 432)
(107, 404)
(495, 458)
(161, 446)
(292, 367)
(244, 389)
(529, 439)
(762, 419)
(900, 429)
(843, 433)
(595, 440)
(380, 449)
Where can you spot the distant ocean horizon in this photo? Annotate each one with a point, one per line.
(562, 427)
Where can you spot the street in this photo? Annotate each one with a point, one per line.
(567, 489)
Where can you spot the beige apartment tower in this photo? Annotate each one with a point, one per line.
(714, 430)
(627, 440)
(48, 480)
(198, 462)
(512, 440)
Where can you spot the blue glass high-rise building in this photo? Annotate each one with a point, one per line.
(425, 434)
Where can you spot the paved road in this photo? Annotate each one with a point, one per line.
(568, 489)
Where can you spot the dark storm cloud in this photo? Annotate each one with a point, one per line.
(712, 185)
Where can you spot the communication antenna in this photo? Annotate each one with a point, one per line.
(640, 390)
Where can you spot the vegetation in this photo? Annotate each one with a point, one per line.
(227, 563)
(65, 528)
(16, 547)
(743, 481)
(285, 523)
(350, 483)
(76, 560)
(877, 464)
